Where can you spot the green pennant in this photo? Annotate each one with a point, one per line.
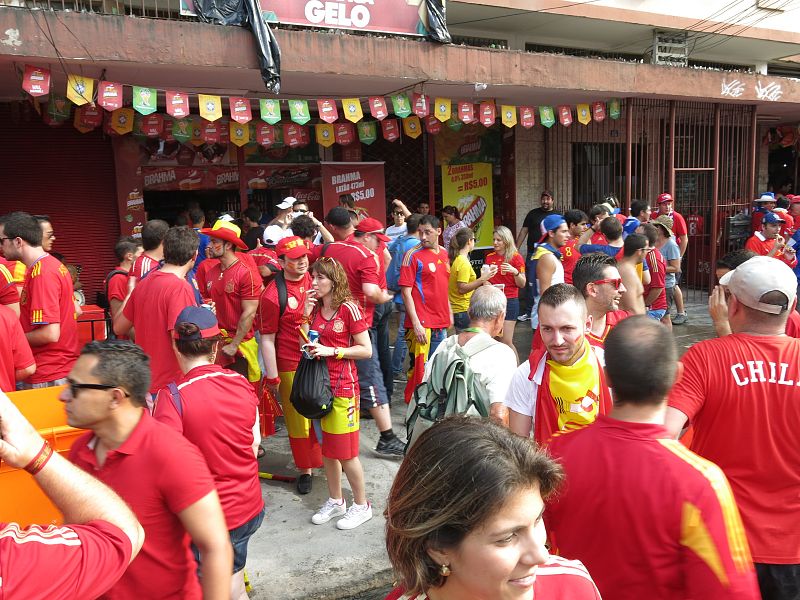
(614, 108)
(137, 127)
(145, 100)
(270, 111)
(454, 124)
(58, 107)
(367, 132)
(182, 129)
(401, 105)
(298, 109)
(546, 116)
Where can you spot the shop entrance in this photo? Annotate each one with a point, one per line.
(168, 205)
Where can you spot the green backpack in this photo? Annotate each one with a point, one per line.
(451, 389)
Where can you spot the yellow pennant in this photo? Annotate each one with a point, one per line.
(584, 114)
(442, 108)
(412, 126)
(122, 120)
(210, 107)
(508, 115)
(352, 109)
(325, 134)
(239, 133)
(80, 89)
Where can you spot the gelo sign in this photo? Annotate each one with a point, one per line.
(338, 14)
(406, 17)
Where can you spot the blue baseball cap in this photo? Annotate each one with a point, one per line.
(204, 319)
(550, 223)
(771, 218)
(630, 225)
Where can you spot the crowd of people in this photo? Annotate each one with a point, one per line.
(204, 323)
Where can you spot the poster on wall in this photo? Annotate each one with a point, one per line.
(363, 180)
(468, 187)
(471, 144)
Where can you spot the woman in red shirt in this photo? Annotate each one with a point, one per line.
(510, 277)
(343, 339)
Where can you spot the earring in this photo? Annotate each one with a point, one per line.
(444, 570)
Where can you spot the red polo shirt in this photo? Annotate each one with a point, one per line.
(228, 288)
(570, 255)
(510, 288)
(338, 332)
(15, 353)
(427, 273)
(159, 474)
(286, 326)
(8, 289)
(211, 394)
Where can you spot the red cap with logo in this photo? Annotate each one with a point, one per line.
(372, 225)
(665, 197)
(292, 247)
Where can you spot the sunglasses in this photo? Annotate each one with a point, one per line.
(615, 282)
(75, 387)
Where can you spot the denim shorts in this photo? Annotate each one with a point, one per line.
(657, 314)
(460, 320)
(512, 309)
(240, 536)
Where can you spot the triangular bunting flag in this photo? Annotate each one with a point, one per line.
(442, 108)
(614, 108)
(240, 110)
(422, 105)
(210, 131)
(122, 120)
(565, 115)
(210, 107)
(401, 105)
(454, 124)
(177, 104)
(327, 111)
(527, 116)
(89, 116)
(58, 108)
(265, 134)
(145, 100)
(432, 125)
(546, 116)
(109, 95)
(292, 134)
(239, 134)
(488, 113)
(36, 81)
(466, 112)
(352, 109)
(344, 133)
(584, 114)
(599, 111)
(270, 110)
(508, 115)
(367, 132)
(153, 125)
(298, 110)
(182, 129)
(77, 121)
(325, 135)
(80, 89)
(412, 127)
(391, 130)
(377, 107)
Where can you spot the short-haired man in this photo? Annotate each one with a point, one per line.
(251, 216)
(424, 280)
(655, 295)
(564, 387)
(769, 241)
(127, 250)
(198, 218)
(764, 205)
(47, 310)
(666, 208)
(640, 209)
(612, 233)
(283, 214)
(398, 227)
(739, 392)
(598, 279)
(531, 225)
(577, 222)
(641, 494)
(48, 233)
(12, 275)
(423, 208)
(597, 214)
(545, 261)
(158, 472)
(629, 265)
(153, 234)
(154, 304)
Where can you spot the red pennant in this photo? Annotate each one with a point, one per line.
(391, 130)
(177, 104)
(466, 112)
(527, 116)
(598, 111)
(109, 95)
(36, 81)
(224, 131)
(90, 116)
(344, 133)
(377, 107)
(488, 113)
(422, 105)
(210, 131)
(565, 115)
(152, 125)
(305, 136)
(327, 110)
(432, 125)
(292, 135)
(265, 134)
(166, 133)
(240, 110)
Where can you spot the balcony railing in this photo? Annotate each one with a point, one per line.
(154, 9)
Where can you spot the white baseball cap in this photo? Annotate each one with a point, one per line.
(273, 234)
(758, 276)
(287, 203)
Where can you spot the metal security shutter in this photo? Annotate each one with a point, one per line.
(69, 176)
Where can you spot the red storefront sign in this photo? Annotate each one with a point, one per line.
(363, 180)
(390, 16)
(167, 179)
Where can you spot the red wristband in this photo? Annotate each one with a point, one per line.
(40, 460)
(273, 381)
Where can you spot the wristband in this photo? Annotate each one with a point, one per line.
(274, 381)
(339, 353)
(40, 460)
(305, 319)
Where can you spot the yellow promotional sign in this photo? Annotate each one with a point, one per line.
(469, 188)
(80, 89)
(584, 114)
(442, 108)
(508, 115)
(210, 107)
(325, 134)
(351, 107)
(412, 126)
(239, 134)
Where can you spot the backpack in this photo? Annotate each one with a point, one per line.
(105, 303)
(397, 250)
(283, 293)
(452, 388)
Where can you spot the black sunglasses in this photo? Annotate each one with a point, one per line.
(75, 387)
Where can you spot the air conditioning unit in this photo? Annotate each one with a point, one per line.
(670, 48)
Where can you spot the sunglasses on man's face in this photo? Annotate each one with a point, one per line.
(615, 282)
(75, 387)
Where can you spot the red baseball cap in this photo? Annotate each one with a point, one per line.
(372, 225)
(794, 199)
(292, 247)
(665, 197)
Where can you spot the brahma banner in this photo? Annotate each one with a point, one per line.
(407, 17)
(363, 180)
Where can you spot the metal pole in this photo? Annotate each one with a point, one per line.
(714, 198)
(753, 154)
(628, 153)
(671, 180)
(431, 173)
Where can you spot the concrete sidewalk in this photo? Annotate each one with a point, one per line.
(290, 558)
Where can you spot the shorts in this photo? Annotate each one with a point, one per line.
(670, 291)
(512, 309)
(240, 537)
(778, 582)
(657, 314)
(461, 320)
(338, 430)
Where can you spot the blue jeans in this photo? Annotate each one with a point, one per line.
(437, 337)
(400, 346)
(380, 322)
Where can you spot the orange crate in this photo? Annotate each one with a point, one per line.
(22, 501)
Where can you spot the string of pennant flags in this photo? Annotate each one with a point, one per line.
(101, 103)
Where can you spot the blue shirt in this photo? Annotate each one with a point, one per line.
(670, 251)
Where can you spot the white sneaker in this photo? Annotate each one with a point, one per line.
(356, 515)
(331, 508)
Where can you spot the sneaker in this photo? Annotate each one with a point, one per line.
(524, 317)
(304, 483)
(679, 319)
(393, 447)
(356, 515)
(331, 508)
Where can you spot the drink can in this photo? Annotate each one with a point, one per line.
(313, 337)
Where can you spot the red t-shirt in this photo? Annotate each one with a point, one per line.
(159, 474)
(658, 278)
(228, 288)
(740, 394)
(16, 268)
(570, 255)
(118, 285)
(360, 265)
(643, 495)
(762, 246)
(16, 353)
(286, 326)
(201, 275)
(599, 239)
(382, 265)
(142, 266)
(47, 298)
(510, 288)
(71, 561)
(212, 394)
(8, 288)
(265, 257)
(793, 324)
(153, 307)
(337, 332)
(427, 273)
(612, 318)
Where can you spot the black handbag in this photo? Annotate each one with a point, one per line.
(311, 391)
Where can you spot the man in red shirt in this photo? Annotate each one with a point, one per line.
(739, 394)
(769, 241)
(424, 280)
(9, 295)
(127, 250)
(279, 324)
(643, 495)
(160, 474)
(765, 204)
(597, 278)
(154, 304)
(47, 310)
(16, 358)
(577, 221)
(794, 211)
(153, 234)
(666, 207)
(234, 287)
(81, 559)
(264, 255)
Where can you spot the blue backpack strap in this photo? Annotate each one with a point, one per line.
(176, 398)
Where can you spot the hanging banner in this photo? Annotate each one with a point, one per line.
(145, 100)
(454, 124)
(584, 114)
(109, 95)
(412, 127)
(88, 117)
(364, 181)
(77, 121)
(122, 120)
(422, 105)
(401, 105)
(36, 81)
(265, 134)
(298, 111)
(442, 108)
(352, 109)
(177, 104)
(325, 135)
(367, 132)
(270, 110)
(546, 116)
(210, 131)
(391, 130)
(377, 107)
(599, 111)
(238, 133)
(240, 110)
(508, 115)
(468, 187)
(565, 115)
(488, 113)
(527, 116)
(432, 125)
(58, 108)
(614, 108)
(210, 107)
(344, 133)
(466, 112)
(182, 129)
(292, 135)
(197, 131)
(152, 125)
(327, 110)
(166, 132)
(80, 89)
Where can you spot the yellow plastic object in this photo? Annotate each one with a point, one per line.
(21, 500)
